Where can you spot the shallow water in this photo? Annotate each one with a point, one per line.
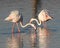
(29, 38)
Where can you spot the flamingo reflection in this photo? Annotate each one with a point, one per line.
(43, 35)
(43, 17)
(33, 38)
(14, 42)
(15, 17)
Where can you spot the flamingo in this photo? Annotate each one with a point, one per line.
(43, 16)
(16, 18)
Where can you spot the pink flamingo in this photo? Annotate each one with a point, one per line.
(16, 18)
(43, 16)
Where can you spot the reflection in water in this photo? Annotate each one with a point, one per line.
(39, 39)
(43, 35)
(33, 39)
(14, 42)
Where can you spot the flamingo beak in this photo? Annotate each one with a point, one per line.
(34, 26)
(51, 18)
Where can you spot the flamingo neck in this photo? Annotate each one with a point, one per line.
(37, 21)
(28, 24)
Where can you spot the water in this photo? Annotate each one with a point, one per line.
(29, 38)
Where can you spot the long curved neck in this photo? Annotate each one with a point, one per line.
(36, 21)
(28, 24)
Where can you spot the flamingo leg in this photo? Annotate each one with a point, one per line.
(18, 27)
(13, 27)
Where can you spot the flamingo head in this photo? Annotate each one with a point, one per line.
(46, 14)
(33, 26)
(8, 19)
(48, 18)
